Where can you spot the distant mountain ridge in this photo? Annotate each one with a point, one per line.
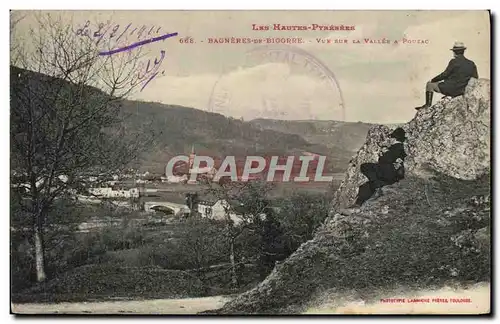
(340, 135)
(342, 139)
(179, 129)
(212, 134)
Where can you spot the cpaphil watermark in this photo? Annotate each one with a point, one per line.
(305, 168)
(279, 81)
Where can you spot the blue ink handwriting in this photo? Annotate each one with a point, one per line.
(114, 32)
(144, 42)
(146, 74)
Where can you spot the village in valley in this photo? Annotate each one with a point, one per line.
(159, 198)
(286, 178)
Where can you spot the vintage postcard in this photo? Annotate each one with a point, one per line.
(250, 162)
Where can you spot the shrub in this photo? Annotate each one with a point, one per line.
(199, 243)
(111, 281)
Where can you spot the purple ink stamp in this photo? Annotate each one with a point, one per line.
(278, 81)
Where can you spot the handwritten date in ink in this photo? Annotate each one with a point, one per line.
(114, 32)
(146, 71)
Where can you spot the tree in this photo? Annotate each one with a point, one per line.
(301, 214)
(272, 245)
(66, 123)
(192, 202)
(204, 243)
(245, 205)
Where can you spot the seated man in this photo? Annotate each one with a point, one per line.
(454, 79)
(387, 171)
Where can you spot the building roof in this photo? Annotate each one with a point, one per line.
(207, 199)
(236, 205)
(173, 197)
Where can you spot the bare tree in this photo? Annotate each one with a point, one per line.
(66, 123)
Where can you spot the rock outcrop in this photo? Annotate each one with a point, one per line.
(452, 137)
(427, 229)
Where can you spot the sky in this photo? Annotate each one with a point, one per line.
(366, 81)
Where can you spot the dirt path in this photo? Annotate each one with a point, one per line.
(157, 306)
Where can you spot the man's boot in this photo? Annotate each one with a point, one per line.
(428, 100)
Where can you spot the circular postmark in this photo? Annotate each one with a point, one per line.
(278, 81)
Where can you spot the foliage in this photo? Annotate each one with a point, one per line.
(112, 281)
(199, 244)
(65, 124)
(300, 215)
(420, 233)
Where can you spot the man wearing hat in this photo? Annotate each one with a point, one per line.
(387, 171)
(454, 79)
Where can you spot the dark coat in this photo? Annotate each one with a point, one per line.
(456, 76)
(395, 151)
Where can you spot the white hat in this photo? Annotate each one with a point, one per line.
(458, 46)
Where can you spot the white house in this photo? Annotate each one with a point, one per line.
(217, 210)
(110, 193)
(176, 179)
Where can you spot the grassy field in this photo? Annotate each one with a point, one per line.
(137, 262)
(132, 256)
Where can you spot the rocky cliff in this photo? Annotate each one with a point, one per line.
(429, 229)
(452, 137)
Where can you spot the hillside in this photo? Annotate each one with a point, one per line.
(342, 139)
(427, 231)
(212, 134)
(338, 135)
(180, 128)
